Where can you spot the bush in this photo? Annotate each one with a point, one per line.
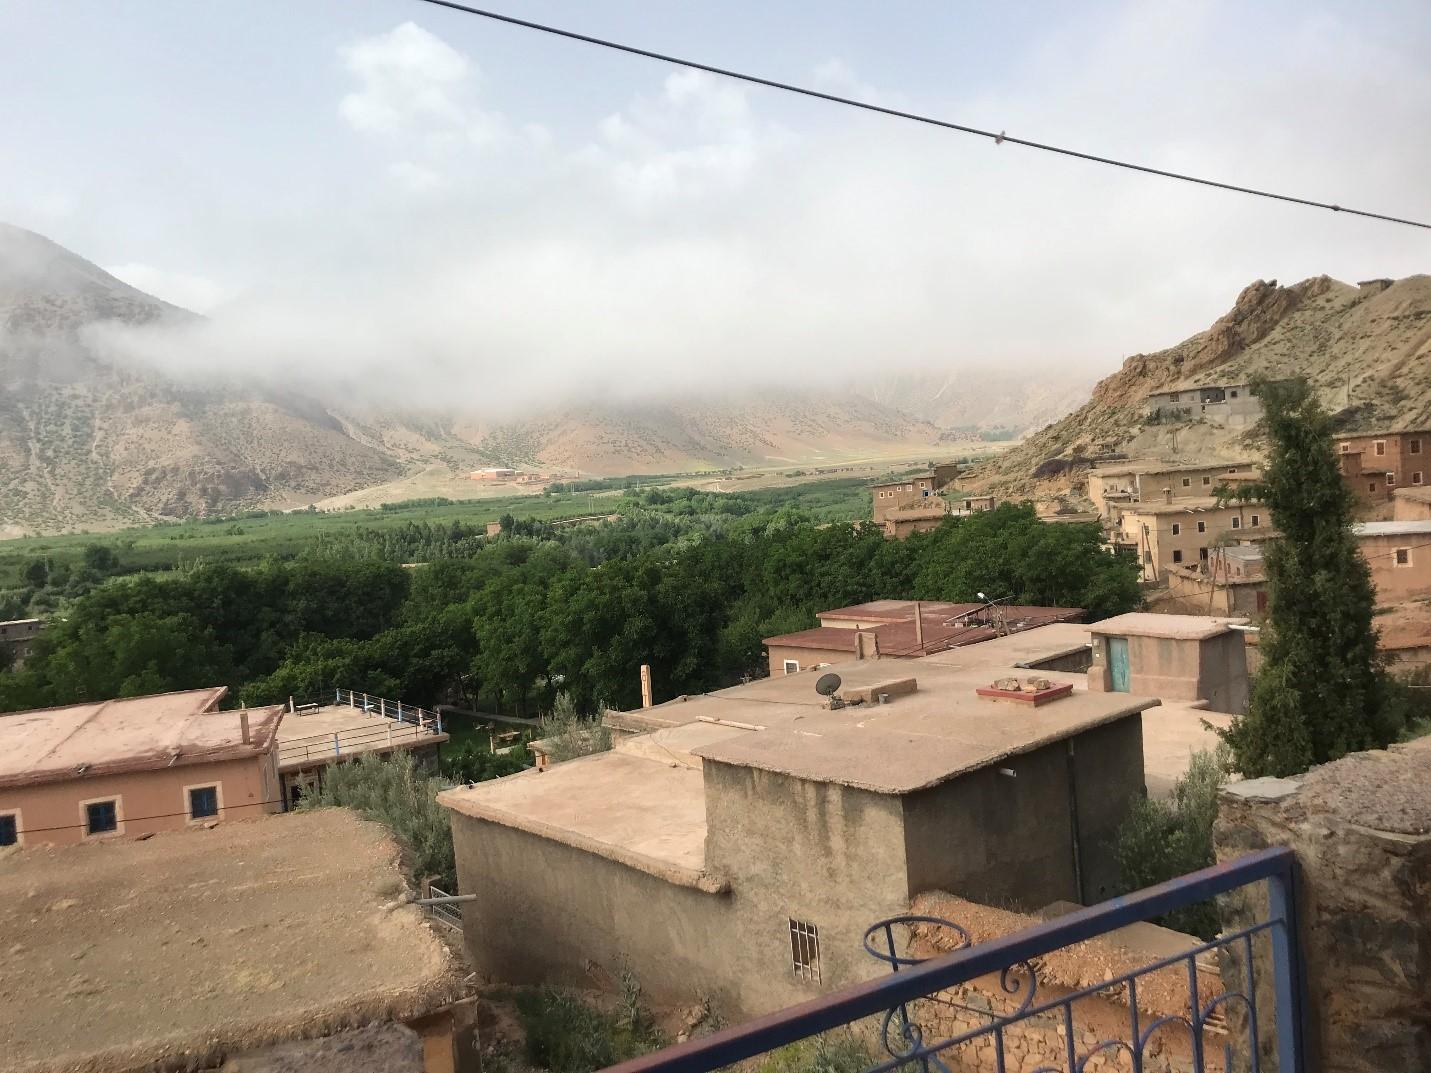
(474, 762)
(1161, 840)
(831, 1052)
(565, 1035)
(403, 799)
(569, 734)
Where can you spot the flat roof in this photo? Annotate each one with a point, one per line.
(194, 944)
(307, 739)
(1172, 627)
(646, 813)
(129, 734)
(1381, 432)
(945, 626)
(1421, 493)
(1376, 529)
(1188, 505)
(1157, 465)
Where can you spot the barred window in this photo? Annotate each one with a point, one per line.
(805, 949)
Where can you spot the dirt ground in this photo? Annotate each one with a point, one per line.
(199, 942)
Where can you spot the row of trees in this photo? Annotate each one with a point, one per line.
(519, 618)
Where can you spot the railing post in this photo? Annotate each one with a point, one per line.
(337, 749)
(1286, 970)
(383, 707)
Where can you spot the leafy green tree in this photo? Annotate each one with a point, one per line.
(1322, 691)
(36, 573)
(100, 558)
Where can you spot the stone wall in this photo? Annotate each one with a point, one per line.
(1361, 828)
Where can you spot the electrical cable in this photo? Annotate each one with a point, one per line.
(998, 138)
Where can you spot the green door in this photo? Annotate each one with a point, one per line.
(1118, 663)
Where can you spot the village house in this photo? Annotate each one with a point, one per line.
(17, 637)
(1412, 504)
(1231, 405)
(902, 629)
(492, 473)
(1175, 532)
(240, 947)
(889, 496)
(1374, 464)
(1232, 582)
(762, 828)
(1117, 487)
(135, 766)
(345, 724)
(1189, 658)
(1399, 554)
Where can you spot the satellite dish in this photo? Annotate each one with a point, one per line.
(827, 684)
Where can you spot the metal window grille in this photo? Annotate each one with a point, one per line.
(101, 817)
(805, 949)
(203, 802)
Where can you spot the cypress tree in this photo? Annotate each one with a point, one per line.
(1322, 690)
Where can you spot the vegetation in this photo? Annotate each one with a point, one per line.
(566, 1035)
(1161, 840)
(1322, 691)
(569, 734)
(394, 792)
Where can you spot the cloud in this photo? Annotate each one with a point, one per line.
(709, 237)
(195, 293)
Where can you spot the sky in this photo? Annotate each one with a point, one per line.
(422, 206)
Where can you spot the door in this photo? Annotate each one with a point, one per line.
(1118, 663)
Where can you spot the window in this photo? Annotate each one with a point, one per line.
(1187, 482)
(1177, 556)
(1236, 523)
(1346, 448)
(1416, 477)
(1202, 554)
(101, 817)
(1371, 486)
(9, 828)
(1147, 556)
(1413, 446)
(1378, 447)
(791, 666)
(1233, 393)
(1256, 521)
(1177, 529)
(203, 802)
(1403, 556)
(805, 949)
(1202, 527)
(1391, 480)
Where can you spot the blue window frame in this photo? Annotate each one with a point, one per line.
(203, 802)
(101, 817)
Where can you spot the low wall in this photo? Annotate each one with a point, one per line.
(1361, 828)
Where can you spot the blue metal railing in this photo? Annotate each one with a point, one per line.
(888, 998)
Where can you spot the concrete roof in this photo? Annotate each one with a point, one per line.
(131, 734)
(306, 739)
(1157, 465)
(918, 740)
(943, 627)
(646, 813)
(1421, 493)
(1187, 505)
(1378, 529)
(1171, 734)
(1173, 627)
(178, 950)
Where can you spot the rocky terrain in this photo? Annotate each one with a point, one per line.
(1366, 348)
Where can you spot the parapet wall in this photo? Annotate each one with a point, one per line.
(1361, 828)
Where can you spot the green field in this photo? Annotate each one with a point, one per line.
(249, 538)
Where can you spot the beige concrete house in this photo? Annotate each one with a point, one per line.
(1412, 504)
(1399, 554)
(889, 496)
(1186, 532)
(740, 845)
(134, 766)
(903, 629)
(1119, 486)
(18, 636)
(1189, 658)
(1375, 464)
(1230, 405)
(196, 948)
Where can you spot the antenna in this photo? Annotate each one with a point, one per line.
(827, 685)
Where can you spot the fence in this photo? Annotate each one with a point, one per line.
(449, 914)
(1267, 976)
(401, 724)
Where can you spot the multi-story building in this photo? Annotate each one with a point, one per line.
(1115, 487)
(1232, 405)
(1175, 533)
(18, 636)
(135, 766)
(1375, 464)
(889, 496)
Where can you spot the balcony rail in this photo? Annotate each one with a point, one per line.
(893, 1001)
(404, 724)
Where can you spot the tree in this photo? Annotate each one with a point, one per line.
(100, 558)
(1322, 691)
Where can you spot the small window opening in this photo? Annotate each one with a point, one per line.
(805, 949)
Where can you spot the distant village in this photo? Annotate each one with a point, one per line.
(730, 851)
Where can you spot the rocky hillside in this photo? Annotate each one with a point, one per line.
(1365, 347)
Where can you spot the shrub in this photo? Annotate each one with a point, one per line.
(565, 1035)
(569, 734)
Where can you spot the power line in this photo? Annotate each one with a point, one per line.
(998, 138)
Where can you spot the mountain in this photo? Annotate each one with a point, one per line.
(84, 443)
(1366, 348)
(983, 400)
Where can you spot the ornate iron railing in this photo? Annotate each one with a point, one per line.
(1256, 974)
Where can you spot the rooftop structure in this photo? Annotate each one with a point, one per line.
(892, 632)
(767, 812)
(134, 766)
(1399, 555)
(195, 946)
(1193, 658)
